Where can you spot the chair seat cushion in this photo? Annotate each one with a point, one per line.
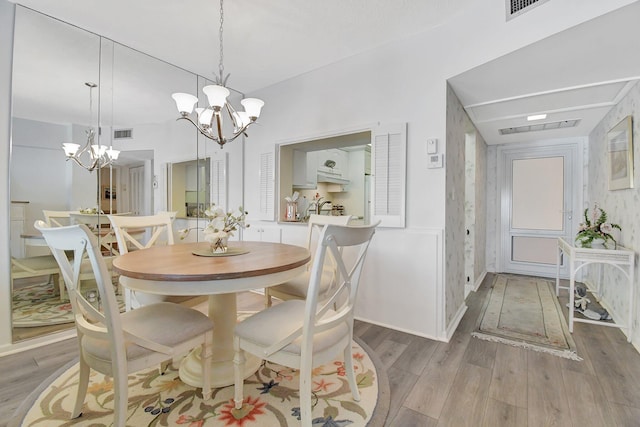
(274, 324)
(299, 286)
(164, 323)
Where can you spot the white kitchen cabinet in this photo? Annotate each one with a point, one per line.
(258, 233)
(305, 169)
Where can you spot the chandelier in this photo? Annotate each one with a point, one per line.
(95, 155)
(209, 120)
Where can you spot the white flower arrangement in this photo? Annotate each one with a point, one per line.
(220, 226)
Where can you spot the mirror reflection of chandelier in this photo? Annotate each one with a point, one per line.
(97, 156)
(209, 120)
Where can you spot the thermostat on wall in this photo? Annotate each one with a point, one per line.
(434, 161)
(432, 146)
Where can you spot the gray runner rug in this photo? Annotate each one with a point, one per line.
(524, 312)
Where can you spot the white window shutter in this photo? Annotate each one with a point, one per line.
(267, 186)
(219, 180)
(388, 166)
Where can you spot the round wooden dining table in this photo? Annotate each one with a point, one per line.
(176, 270)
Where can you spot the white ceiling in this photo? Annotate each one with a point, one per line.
(577, 74)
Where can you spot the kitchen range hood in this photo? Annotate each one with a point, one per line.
(331, 178)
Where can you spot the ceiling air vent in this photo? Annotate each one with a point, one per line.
(540, 126)
(518, 7)
(123, 134)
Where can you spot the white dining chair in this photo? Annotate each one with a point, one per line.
(58, 218)
(114, 344)
(297, 288)
(141, 232)
(304, 334)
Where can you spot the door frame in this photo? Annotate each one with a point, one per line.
(573, 147)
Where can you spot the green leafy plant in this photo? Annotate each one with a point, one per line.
(596, 226)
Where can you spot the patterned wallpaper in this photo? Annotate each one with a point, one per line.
(622, 206)
(454, 278)
(457, 211)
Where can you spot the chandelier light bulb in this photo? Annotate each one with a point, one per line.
(252, 106)
(185, 102)
(70, 149)
(204, 116)
(242, 119)
(113, 154)
(98, 150)
(217, 95)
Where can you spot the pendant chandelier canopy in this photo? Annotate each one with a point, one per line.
(91, 156)
(209, 120)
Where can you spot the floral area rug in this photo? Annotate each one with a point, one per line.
(40, 305)
(271, 399)
(524, 312)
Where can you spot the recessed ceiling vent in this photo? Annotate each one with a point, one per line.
(518, 7)
(123, 134)
(540, 126)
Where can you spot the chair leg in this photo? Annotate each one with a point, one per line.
(83, 383)
(120, 399)
(267, 295)
(351, 374)
(238, 373)
(61, 286)
(205, 356)
(305, 395)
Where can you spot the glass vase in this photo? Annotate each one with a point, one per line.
(219, 244)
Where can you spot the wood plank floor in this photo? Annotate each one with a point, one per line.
(466, 382)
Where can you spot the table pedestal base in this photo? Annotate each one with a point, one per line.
(221, 370)
(222, 310)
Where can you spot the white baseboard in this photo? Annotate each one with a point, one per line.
(479, 281)
(456, 321)
(395, 328)
(37, 342)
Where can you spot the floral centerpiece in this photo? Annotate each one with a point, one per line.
(90, 211)
(220, 226)
(595, 227)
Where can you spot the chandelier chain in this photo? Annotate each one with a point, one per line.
(221, 66)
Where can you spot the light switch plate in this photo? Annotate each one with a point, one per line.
(432, 146)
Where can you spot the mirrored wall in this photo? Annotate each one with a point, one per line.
(132, 108)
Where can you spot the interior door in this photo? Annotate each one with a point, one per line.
(136, 186)
(540, 198)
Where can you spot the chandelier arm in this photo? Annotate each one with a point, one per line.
(202, 130)
(90, 168)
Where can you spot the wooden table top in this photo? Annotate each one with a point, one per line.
(178, 263)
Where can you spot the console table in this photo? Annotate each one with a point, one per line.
(620, 258)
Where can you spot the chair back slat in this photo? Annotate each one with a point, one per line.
(142, 232)
(58, 218)
(70, 245)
